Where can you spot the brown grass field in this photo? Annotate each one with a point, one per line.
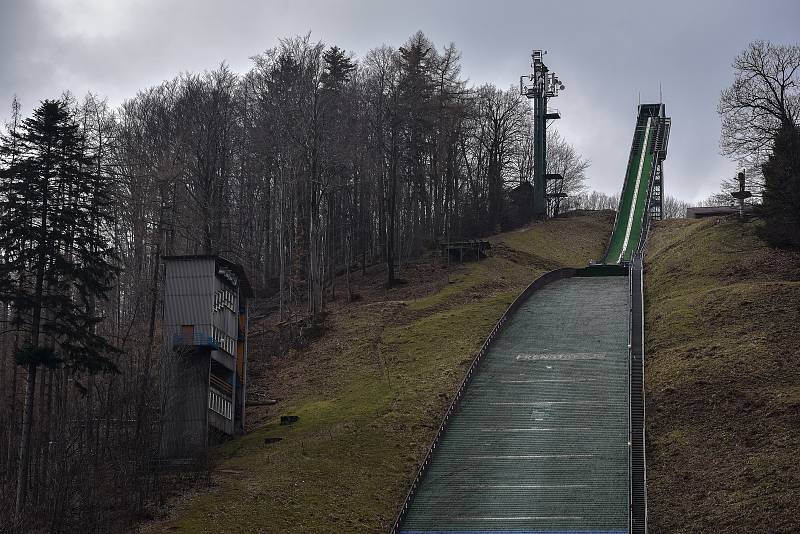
(722, 380)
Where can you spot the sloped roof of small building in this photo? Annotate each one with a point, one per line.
(238, 270)
(696, 212)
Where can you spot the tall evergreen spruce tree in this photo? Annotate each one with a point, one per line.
(781, 205)
(54, 215)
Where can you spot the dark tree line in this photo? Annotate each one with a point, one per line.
(313, 162)
(781, 199)
(57, 265)
(308, 168)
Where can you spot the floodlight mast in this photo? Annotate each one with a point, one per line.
(540, 85)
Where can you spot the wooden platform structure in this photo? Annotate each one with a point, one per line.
(470, 250)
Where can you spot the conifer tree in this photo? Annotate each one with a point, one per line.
(781, 206)
(337, 70)
(54, 215)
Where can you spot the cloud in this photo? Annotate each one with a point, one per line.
(607, 53)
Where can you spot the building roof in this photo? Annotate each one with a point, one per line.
(696, 212)
(238, 270)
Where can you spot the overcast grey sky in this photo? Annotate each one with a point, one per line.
(608, 53)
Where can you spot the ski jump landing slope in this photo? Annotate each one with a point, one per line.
(539, 442)
(546, 434)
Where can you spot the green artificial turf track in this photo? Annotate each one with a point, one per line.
(618, 250)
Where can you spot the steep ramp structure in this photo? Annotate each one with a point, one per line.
(642, 191)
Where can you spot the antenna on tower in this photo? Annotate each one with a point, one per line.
(660, 99)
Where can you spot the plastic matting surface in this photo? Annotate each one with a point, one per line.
(539, 442)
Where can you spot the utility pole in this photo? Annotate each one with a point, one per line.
(540, 85)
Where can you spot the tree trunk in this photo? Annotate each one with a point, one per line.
(22, 467)
(12, 406)
(391, 208)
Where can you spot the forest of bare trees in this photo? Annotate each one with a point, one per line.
(308, 168)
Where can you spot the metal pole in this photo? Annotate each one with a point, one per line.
(539, 142)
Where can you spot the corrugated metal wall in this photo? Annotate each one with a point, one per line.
(188, 295)
(184, 419)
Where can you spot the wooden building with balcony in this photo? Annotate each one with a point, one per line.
(204, 367)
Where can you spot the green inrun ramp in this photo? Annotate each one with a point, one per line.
(539, 440)
(633, 201)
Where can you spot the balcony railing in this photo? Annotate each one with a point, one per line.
(219, 403)
(198, 339)
(221, 385)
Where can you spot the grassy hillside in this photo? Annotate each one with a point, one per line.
(370, 394)
(722, 380)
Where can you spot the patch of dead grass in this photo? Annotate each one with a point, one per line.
(722, 379)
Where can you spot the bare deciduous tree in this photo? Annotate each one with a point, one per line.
(674, 208)
(563, 159)
(594, 200)
(764, 96)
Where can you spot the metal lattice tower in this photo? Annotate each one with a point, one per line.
(540, 85)
(661, 141)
